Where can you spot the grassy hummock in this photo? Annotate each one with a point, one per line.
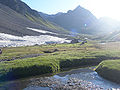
(109, 69)
(16, 62)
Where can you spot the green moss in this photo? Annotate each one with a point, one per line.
(23, 68)
(110, 70)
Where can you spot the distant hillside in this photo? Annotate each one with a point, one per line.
(108, 25)
(108, 29)
(16, 16)
(79, 20)
(113, 36)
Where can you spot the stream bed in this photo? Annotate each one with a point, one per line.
(77, 79)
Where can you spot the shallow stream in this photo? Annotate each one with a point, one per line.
(86, 75)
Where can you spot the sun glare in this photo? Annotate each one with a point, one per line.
(109, 8)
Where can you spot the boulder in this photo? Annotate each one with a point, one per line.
(75, 41)
(0, 51)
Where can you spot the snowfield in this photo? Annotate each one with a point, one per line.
(7, 40)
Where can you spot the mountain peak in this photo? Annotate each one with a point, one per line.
(78, 8)
(75, 20)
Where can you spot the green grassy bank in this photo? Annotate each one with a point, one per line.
(53, 58)
(110, 70)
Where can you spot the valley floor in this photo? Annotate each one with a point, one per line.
(19, 62)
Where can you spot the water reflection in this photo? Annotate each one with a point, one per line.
(88, 74)
(14, 85)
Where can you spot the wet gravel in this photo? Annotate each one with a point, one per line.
(88, 80)
(58, 84)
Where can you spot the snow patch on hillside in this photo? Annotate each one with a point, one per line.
(7, 40)
(41, 31)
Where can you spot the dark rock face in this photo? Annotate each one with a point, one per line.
(0, 51)
(75, 41)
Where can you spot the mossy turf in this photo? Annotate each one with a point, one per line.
(60, 56)
(110, 70)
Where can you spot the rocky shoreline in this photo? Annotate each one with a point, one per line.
(70, 84)
(61, 81)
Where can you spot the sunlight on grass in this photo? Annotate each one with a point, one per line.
(60, 56)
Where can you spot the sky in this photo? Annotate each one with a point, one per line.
(100, 8)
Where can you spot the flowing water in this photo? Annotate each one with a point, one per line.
(84, 74)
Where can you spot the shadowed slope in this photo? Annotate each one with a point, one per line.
(16, 16)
